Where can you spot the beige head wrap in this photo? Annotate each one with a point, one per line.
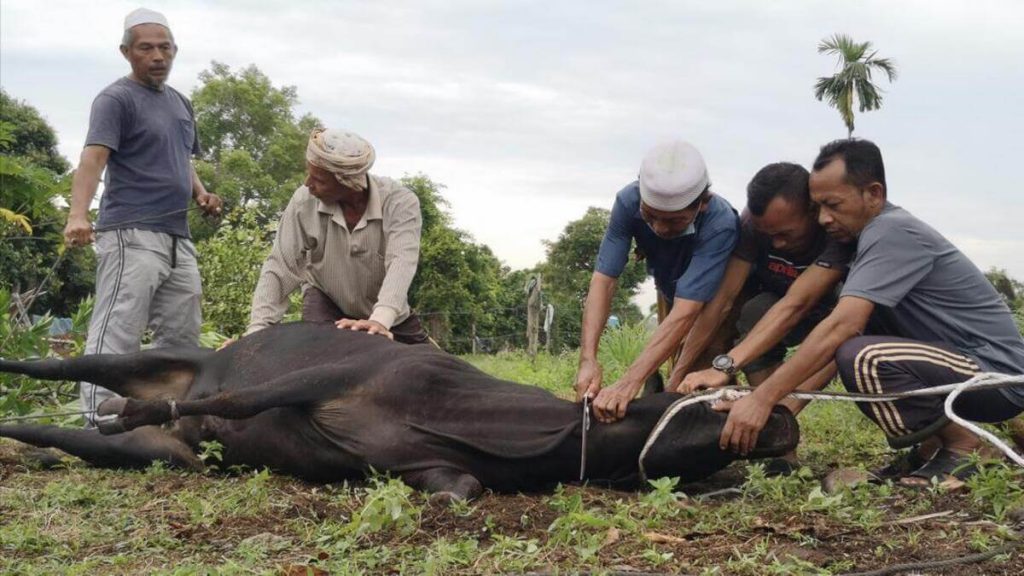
(342, 153)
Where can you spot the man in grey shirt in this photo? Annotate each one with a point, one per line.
(943, 323)
(143, 132)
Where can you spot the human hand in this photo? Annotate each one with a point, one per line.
(227, 343)
(210, 203)
(78, 232)
(703, 380)
(588, 379)
(610, 404)
(368, 326)
(747, 417)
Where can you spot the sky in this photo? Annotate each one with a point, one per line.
(529, 112)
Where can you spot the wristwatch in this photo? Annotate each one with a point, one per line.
(725, 364)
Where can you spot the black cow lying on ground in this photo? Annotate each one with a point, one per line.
(326, 404)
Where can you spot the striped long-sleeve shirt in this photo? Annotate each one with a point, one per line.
(366, 271)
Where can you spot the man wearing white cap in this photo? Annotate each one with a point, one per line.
(143, 133)
(349, 240)
(686, 235)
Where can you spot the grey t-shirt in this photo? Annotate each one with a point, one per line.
(151, 135)
(931, 292)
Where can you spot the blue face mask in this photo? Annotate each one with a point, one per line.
(691, 229)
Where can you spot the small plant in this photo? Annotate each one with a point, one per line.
(997, 486)
(386, 506)
(212, 453)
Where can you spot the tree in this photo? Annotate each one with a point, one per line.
(856, 63)
(1009, 288)
(30, 136)
(253, 146)
(32, 178)
(458, 284)
(229, 264)
(567, 272)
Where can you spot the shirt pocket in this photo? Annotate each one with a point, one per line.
(188, 133)
(369, 261)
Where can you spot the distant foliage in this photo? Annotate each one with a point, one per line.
(32, 179)
(253, 144)
(853, 82)
(460, 284)
(230, 263)
(567, 272)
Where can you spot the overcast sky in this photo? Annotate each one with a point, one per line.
(531, 111)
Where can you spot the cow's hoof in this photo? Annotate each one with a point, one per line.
(111, 427)
(444, 499)
(112, 407)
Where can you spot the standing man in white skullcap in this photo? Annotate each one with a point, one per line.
(686, 234)
(143, 133)
(350, 240)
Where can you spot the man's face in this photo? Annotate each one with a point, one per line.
(791, 227)
(323, 185)
(151, 54)
(844, 209)
(668, 225)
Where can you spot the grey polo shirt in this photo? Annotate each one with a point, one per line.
(931, 292)
(152, 137)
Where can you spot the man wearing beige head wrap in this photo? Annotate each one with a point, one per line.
(350, 240)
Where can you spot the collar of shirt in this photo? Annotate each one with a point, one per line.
(374, 208)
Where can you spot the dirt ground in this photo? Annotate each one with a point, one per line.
(808, 538)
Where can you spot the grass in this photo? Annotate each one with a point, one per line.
(80, 520)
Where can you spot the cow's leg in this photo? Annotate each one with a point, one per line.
(444, 485)
(136, 449)
(160, 373)
(299, 388)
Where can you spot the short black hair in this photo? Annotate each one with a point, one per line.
(863, 161)
(783, 179)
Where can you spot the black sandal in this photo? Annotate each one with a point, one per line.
(945, 465)
(902, 464)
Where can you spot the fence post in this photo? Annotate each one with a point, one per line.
(533, 314)
(549, 325)
(473, 337)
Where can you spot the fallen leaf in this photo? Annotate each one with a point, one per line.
(663, 538)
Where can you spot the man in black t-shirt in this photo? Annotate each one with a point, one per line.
(781, 280)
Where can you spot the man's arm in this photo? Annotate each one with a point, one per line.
(210, 203)
(400, 261)
(280, 275)
(803, 295)
(78, 231)
(748, 415)
(595, 314)
(610, 404)
(710, 319)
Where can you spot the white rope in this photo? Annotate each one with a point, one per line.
(984, 377)
(980, 381)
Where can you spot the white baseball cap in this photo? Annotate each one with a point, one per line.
(672, 176)
(144, 16)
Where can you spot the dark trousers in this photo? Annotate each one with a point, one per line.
(884, 364)
(318, 307)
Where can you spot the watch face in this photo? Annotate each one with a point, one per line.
(722, 362)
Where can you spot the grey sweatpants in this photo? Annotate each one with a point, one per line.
(144, 279)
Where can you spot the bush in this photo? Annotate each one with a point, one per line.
(230, 263)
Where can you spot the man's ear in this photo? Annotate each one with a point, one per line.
(124, 51)
(876, 194)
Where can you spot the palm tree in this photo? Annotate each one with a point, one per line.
(856, 63)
